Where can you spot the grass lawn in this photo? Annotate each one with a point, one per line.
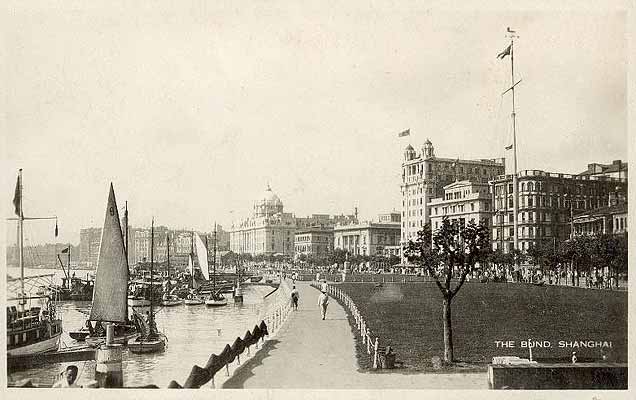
(409, 318)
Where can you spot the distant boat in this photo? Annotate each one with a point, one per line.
(193, 298)
(149, 340)
(169, 299)
(216, 299)
(30, 330)
(111, 282)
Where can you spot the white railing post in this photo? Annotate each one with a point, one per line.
(375, 352)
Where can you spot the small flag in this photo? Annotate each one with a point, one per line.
(64, 251)
(56, 228)
(16, 198)
(404, 133)
(505, 53)
(509, 147)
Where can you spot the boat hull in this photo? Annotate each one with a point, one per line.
(44, 346)
(193, 302)
(216, 303)
(80, 335)
(98, 341)
(139, 346)
(170, 303)
(138, 303)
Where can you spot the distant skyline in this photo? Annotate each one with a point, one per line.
(190, 110)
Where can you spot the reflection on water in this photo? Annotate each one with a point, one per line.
(194, 332)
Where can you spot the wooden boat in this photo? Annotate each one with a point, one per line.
(80, 335)
(30, 330)
(110, 294)
(149, 340)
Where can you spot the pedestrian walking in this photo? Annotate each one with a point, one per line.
(323, 286)
(323, 302)
(294, 297)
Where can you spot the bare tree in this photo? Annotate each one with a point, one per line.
(449, 254)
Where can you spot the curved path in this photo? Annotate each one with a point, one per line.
(314, 354)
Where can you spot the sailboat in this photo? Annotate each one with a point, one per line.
(111, 282)
(193, 298)
(150, 339)
(215, 299)
(30, 330)
(169, 299)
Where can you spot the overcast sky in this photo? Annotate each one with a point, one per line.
(190, 109)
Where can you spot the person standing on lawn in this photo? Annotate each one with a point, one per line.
(323, 302)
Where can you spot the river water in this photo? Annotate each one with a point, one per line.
(194, 332)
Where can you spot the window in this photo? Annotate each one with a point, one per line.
(472, 206)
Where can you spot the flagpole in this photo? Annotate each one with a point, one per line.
(515, 179)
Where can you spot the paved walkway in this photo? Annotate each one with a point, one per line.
(314, 354)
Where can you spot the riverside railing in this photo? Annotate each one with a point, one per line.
(372, 345)
(230, 358)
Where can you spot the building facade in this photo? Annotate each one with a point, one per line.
(463, 202)
(424, 176)
(313, 242)
(270, 230)
(608, 220)
(367, 238)
(90, 240)
(547, 203)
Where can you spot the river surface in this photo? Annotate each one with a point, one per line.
(194, 332)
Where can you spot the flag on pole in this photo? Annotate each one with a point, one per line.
(64, 251)
(16, 198)
(404, 133)
(56, 228)
(505, 53)
(509, 147)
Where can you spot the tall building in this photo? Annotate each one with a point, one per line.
(463, 202)
(367, 238)
(424, 176)
(270, 230)
(547, 203)
(90, 239)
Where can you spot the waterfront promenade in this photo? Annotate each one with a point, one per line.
(311, 353)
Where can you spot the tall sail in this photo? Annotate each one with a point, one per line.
(202, 256)
(111, 280)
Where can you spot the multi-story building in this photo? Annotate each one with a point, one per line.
(270, 230)
(608, 220)
(547, 203)
(367, 238)
(90, 239)
(316, 241)
(463, 201)
(424, 176)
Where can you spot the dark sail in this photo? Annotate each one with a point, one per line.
(111, 281)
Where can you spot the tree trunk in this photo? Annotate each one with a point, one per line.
(448, 331)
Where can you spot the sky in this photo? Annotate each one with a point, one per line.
(192, 108)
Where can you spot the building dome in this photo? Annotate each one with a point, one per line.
(269, 198)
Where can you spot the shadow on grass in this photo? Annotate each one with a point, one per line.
(245, 372)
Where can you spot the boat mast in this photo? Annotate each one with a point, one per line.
(207, 258)
(152, 261)
(192, 257)
(168, 247)
(21, 241)
(214, 260)
(126, 229)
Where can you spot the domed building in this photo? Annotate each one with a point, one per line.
(270, 230)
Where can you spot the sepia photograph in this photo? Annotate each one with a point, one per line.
(359, 197)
